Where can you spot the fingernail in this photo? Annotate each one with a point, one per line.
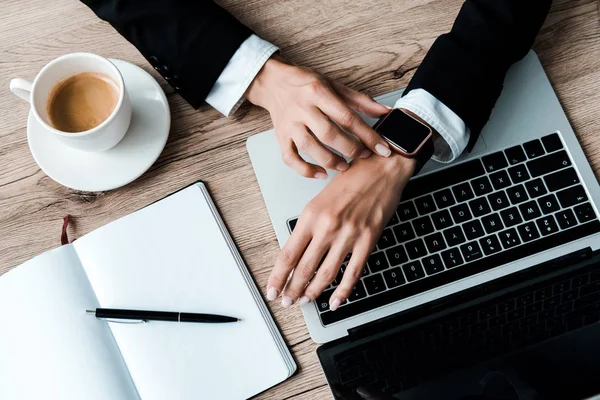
(335, 304)
(382, 150)
(286, 302)
(272, 293)
(388, 107)
(365, 153)
(321, 175)
(342, 166)
(303, 300)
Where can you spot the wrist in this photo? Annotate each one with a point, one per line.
(258, 91)
(396, 167)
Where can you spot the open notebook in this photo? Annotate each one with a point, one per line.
(174, 255)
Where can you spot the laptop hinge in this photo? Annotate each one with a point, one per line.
(464, 296)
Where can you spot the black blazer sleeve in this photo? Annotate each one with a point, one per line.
(188, 42)
(465, 68)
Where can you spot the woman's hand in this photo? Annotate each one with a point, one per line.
(348, 216)
(301, 101)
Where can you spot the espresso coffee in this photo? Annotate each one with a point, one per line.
(82, 102)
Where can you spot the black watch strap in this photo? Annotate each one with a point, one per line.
(423, 155)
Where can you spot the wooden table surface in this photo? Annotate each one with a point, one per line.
(373, 46)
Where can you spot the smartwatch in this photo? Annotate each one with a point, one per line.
(407, 136)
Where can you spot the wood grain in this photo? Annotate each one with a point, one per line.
(372, 46)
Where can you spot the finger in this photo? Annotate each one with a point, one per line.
(353, 272)
(288, 258)
(308, 144)
(351, 122)
(326, 273)
(331, 135)
(291, 158)
(360, 102)
(304, 271)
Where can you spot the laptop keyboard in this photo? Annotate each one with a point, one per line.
(470, 218)
(402, 360)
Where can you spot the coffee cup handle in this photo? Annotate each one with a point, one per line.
(22, 88)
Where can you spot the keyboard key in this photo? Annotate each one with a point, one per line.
(511, 217)
(498, 200)
(463, 192)
(585, 212)
(471, 251)
(416, 249)
(452, 258)
(396, 255)
(443, 179)
(444, 198)
(515, 155)
(530, 210)
(490, 245)
(394, 277)
(473, 229)
(561, 287)
(533, 149)
(377, 262)
(358, 292)
(407, 211)
(323, 300)
(570, 197)
(550, 163)
(481, 186)
(509, 238)
(441, 219)
(423, 226)
(566, 219)
(460, 213)
(374, 284)
(525, 299)
(292, 224)
(404, 232)
(492, 223)
(561, 179)
(517, 194)
(536, 188)
(543, 294)
(433, 264)
(506, 306)
(454, 236)
(386, 239)
(500, 180)
(552, 142)
(547, 225)
(435, 242)
(528, 232)
(494, 162)
(548, 204)
(479, 207)
(393, 221)
(518, 173)
(425, 205)
(413, 271)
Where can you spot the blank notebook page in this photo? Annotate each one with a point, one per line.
(172, 256)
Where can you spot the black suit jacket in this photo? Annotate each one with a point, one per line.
(465, 68)
(190, 43)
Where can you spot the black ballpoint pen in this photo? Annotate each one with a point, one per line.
(145, 316)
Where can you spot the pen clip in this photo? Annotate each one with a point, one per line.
(124, 321)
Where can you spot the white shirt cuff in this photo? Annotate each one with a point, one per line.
(227, 94)
(454, 134)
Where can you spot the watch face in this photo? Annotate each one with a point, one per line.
(403, 131)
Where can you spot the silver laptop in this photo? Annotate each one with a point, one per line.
(526, 194)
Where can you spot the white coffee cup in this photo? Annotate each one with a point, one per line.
(100, 138)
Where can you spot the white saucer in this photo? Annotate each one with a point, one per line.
(139, 149)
